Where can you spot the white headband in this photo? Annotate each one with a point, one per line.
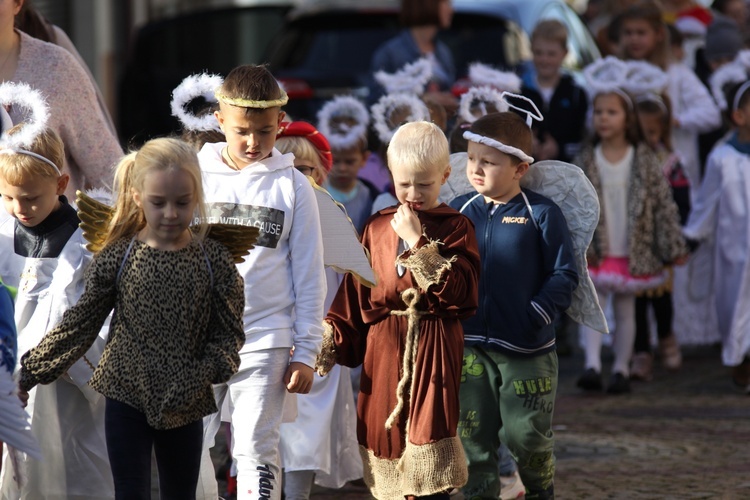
(488, 141)
(655, 98)
(191, 88)
(530, 115)
(343, 136)
(23, 96)
(49, 162)
(743, 88)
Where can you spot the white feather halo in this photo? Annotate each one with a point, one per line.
(743, 58)
(484, 75)
(410, 79)
(5, 121)
(192, 87)
(343, 136)
(606, 75)
(381, 112)
(733, 72)
(33, 103)
(481, 95)
(644, 78)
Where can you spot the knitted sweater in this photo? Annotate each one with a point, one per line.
(91, 150)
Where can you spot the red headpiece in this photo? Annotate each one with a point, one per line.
(304, 129)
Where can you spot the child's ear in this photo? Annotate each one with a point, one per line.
(738, 117)
(136, 197)
(521, 169)
(62, 184)
(446, 174)
(282, 115)
(219, 119)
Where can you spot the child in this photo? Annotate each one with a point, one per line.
(511, 345)
(344, 122)
(163, 352)
(644, 38)
(43, 254)
(249, 182)
(321, 444)
(564, 102)
(720, 213)
(638, 230)
(406, 332)
(654, 118)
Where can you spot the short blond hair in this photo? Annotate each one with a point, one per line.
(551, 30)
(18, 168)
(303, 150)
(419, 146)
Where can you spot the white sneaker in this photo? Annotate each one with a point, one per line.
(511, 487)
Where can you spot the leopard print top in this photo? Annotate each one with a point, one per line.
(176, 330)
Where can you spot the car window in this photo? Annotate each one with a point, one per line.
(166, 51)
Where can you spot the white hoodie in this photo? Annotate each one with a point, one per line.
(284, 274)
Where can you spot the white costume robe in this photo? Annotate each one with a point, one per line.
(721, 214)
(67, 416)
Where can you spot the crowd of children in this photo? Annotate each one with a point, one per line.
(197, 291)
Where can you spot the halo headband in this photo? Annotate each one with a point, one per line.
(482, 96)
(192, 87)
(740, 91)
(655, 98)
(530, 115)
(343, 135)
(488, 141)
(249, 103)
(31, 153)
(388, 104)
(31, 100)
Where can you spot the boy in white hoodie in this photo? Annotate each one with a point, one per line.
(248, 181)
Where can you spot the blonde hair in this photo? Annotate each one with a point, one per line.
(419, 146)
(162, 154)
(18, 168)
(551, 30)
(303, 150)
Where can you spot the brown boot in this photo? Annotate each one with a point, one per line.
(641, 368)
(669, 351)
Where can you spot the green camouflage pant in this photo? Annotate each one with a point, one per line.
(510, 399)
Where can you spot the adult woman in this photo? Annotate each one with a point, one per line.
(422, 19)
(91, 148)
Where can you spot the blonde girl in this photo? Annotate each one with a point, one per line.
(320, 445)
(177, 327)
(624, 256)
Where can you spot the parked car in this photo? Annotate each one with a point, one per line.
(325, 46)
(164, 52)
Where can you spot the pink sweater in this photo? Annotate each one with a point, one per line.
(91, 150)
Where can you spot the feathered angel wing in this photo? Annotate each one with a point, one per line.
(342, 249)
(95, 216)
(570, 189)
(238, 239)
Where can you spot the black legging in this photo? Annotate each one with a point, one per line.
(130, 440)
(662, 311)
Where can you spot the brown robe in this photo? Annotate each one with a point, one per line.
(444, 268)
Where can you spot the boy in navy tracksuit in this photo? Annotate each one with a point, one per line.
(528, 275)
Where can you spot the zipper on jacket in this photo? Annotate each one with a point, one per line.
(485, 273)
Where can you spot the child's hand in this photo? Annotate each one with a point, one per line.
(298, 378)
(24, 397)
(406, 224)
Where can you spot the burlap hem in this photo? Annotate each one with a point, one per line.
(426, 264)
(422, 470)
(326, 359)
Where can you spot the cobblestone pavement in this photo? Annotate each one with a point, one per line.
(685, 435)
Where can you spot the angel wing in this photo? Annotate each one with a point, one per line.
(342, 249)
(96, 214)
(238, 239)
(567, 185)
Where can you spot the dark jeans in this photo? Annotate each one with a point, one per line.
(662, 311)
(130, 440)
